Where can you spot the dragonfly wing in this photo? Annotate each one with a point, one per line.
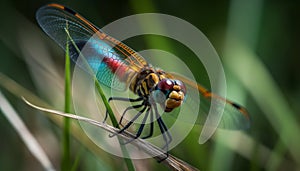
(234, 116)
(54, 21)
(90, 58)
(67, 27)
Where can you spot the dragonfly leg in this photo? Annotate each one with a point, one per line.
(151, 125)
(164, 131)
(125, 99)
(160, 121)
(141, 128)
(130, 122)
(129, 108)
(121, 99)
(106, 114)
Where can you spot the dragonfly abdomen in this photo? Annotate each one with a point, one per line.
(122, 71)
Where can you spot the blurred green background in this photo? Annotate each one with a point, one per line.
(257, 41)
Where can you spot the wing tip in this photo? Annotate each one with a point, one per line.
(56, 5)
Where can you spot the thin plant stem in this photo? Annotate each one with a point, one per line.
(66, 156)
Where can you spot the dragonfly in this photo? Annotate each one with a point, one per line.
(119, 67)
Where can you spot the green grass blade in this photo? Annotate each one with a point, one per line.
(114, 121)
(77, 160)
(66, 157)
(108, 108)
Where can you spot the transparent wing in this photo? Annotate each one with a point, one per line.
(67, 27)
(235, 117)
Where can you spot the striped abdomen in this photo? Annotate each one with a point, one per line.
(122, 71)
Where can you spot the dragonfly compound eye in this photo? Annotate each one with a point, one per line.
(165, 85)
(181, 85)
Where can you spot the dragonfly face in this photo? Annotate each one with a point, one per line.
(169, 93)
(119, 67)
(174, 90)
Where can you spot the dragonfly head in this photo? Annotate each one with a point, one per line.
(173, 91)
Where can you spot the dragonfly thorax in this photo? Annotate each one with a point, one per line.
(145, 81)
(155, 86)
